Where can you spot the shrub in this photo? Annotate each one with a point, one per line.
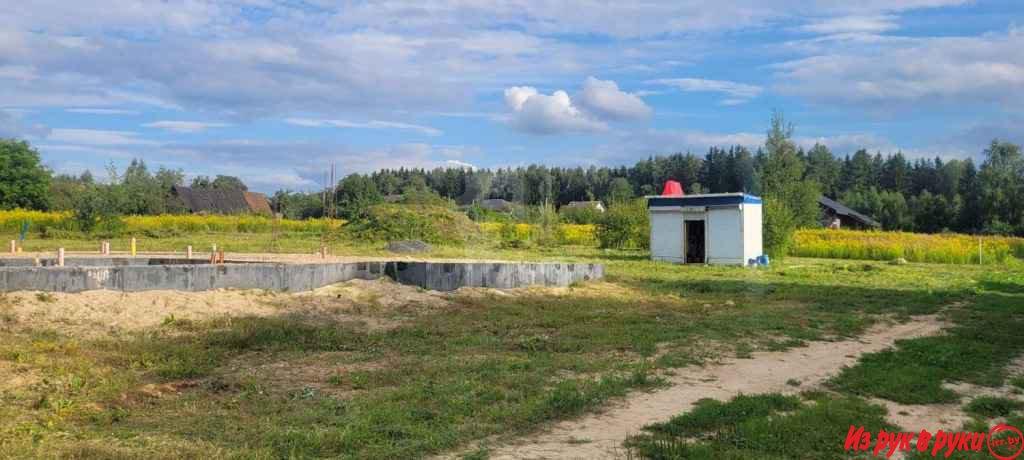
(432, 224)
(548, 232)
(625, 225)
(94, 210)
(779, 225)
(584, 215)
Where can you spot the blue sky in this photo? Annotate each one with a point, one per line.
(272, 91)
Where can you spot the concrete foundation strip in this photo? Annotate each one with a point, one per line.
(142, 274)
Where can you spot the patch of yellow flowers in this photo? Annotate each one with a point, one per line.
(569, 234)
(946, 248)
(12, 221)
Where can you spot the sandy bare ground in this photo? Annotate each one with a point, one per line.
(601, 435)
(379, 304)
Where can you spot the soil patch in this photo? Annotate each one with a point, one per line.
(601, 435)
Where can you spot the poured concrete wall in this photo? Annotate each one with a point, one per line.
(288, 277)
(451, 276)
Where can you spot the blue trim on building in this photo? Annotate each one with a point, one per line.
(701, 200)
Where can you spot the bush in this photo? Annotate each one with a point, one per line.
(548, 233)
(779, 225)
(625, 225)
(94, 210)
(432, 224)
(582, 216)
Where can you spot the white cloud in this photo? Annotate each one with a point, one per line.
(604, 99)
(96, 137)
(373, 124)
(101, 111)
(537, 113)
(180, 126)
(738, 92)
(617, 19)
(456, 164)
(907, 72)
(851, 24)
(12, 125)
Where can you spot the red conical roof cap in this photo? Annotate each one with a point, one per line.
(672, 188)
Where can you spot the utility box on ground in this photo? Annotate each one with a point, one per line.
(719, 228)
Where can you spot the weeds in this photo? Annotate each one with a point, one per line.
(976, 350)
(769, 426)
(913, 247)
(990, 407)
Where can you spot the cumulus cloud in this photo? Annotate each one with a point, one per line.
(180, 126)
(737, 93)
(373, 124)
(604, 99)
(538, 113)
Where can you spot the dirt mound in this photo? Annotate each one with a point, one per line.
(380, 303)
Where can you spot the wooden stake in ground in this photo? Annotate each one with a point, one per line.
(134, 248)
(60, 257)
(188, 252)
(14, 247)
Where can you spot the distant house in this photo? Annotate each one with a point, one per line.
(497, 204)
(836, 215)
(595, 205)
(213, 201)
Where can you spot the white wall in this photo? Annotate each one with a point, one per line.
(753, 236)
(667, 235)
(725, 243)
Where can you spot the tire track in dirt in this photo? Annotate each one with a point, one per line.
(600, 435)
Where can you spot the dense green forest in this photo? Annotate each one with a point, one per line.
(924, 195)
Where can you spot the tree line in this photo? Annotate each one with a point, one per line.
(924, 195)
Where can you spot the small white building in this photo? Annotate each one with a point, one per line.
(718, 228)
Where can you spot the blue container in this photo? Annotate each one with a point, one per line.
(763, 260)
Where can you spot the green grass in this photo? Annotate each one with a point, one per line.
(985, 338)
(489, 366)
(990, 407)
(987, 316)
(769, 426)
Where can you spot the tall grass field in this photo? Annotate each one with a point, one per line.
(12, 222)
(568, 234)
(914, 247)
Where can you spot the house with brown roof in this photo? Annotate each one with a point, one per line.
(215, 201)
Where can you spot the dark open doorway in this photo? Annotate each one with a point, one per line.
(695, 241)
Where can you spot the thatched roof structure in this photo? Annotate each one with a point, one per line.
(214, 201)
